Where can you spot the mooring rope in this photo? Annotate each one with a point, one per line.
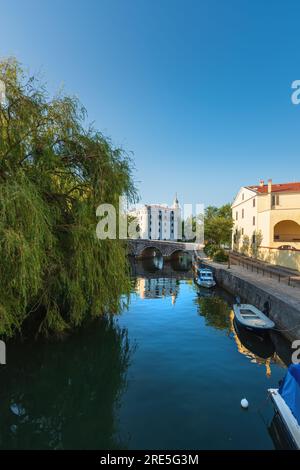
(286, 329)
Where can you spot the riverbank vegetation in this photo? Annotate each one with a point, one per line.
(54, 172)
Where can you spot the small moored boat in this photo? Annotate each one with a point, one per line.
(205, 278)
(251, 318)
(286, 401)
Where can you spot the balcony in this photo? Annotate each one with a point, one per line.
(287, 231)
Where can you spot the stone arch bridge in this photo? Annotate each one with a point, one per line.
(167, 248)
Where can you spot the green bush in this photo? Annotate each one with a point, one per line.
(210, 249)
(220, 256)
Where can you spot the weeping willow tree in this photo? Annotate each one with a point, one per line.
(54, 172)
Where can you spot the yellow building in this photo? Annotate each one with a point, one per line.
(267, 222)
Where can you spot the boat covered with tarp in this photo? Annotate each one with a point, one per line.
(286, 400)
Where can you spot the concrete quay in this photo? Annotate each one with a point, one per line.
(257, 289)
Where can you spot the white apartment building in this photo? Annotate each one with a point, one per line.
(158, 221)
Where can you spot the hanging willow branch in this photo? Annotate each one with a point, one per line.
(54, 172)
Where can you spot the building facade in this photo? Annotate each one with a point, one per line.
(268, 215)
(158, 221)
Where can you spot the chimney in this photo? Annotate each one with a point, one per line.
(261, 183)
(269, 186)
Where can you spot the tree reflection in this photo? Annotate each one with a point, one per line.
(215, 310)
(65, 395)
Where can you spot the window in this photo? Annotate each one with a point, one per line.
(253, 239)
(236, 215)
(243, 212)
(242, 231)
(254, 220)
(254, 202)
(275, 200)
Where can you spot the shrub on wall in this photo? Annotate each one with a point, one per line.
(220, 256)
(245, 245)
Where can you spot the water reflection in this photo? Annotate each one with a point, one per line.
(180, 265)
(214, 308)
(155, 278)
(157, 288)
(75, 394)
(250, 342)
(152, 264)
(65, 395)
(181, 262)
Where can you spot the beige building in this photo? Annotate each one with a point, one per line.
(267, 222)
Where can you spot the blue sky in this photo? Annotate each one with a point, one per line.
(199, 91)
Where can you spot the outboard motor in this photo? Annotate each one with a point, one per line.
(238, 300)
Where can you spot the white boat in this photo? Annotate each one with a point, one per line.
(205, 278)
(286, 401)
(251, 318)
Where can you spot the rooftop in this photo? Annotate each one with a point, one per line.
(276, 188)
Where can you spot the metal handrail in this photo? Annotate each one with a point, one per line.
(259, 267)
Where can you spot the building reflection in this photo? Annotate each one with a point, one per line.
(258, 350)
(157, 288)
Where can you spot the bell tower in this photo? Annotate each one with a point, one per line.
(176, 203)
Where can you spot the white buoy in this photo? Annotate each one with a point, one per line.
(244, 403)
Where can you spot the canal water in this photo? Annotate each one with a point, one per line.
(168, 373)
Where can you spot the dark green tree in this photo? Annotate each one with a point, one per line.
(218, 225)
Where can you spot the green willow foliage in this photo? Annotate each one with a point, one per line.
(54, 172)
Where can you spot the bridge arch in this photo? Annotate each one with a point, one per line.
(181, 260)
(177, 252)
(137, 247)
(150, 252)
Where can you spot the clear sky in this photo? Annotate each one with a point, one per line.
(199, 91)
